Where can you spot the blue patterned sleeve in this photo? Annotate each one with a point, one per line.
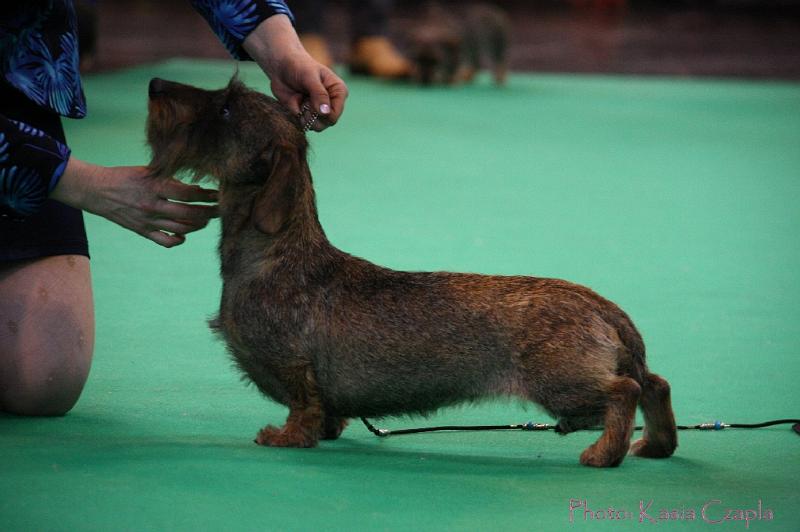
(233, 20)
(31, 163)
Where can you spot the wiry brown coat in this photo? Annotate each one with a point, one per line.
(333, 336)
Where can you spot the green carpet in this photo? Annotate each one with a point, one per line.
(678, 199)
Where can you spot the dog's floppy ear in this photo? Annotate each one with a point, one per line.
(273, 203)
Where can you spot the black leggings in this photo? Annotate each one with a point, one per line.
(56, 229)
(367, 18)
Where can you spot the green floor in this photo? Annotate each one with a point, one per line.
(678, 199)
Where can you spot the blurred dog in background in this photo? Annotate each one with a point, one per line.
(448, 48)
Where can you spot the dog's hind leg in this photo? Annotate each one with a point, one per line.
(660, 436)
(306, 422)
(333, 428)
(610, 449)
(498, 51)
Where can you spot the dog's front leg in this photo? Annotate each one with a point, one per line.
(305, 424)
(302, 428)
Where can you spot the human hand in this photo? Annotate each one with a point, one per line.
(127, 195)
(294, 75)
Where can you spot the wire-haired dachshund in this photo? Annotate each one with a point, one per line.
(333, 337)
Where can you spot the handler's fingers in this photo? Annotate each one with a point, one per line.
(175, 190)
(293, 102)
(194, 215)
(175, 226)
(337, 93)
(318, 93)
(164, 239)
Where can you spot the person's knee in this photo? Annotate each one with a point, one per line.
(46, 389)
(40, 404)
(54, 397)
(45, 353)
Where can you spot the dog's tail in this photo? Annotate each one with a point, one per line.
(632, 362)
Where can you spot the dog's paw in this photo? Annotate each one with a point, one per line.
(272, 436)
(593, 456)
(648, 449)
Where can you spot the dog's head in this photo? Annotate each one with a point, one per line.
(235, 136)
(227, 134)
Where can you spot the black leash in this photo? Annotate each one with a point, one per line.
(531, 426)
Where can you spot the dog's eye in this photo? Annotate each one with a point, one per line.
(225, 112)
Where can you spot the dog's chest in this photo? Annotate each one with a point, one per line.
(264, 315)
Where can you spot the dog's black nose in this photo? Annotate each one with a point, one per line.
(156, 87)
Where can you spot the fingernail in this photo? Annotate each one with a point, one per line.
(325, 109)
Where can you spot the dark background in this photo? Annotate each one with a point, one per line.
(724, 38)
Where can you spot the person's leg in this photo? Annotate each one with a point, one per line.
(46, 334)
(46, 309)
(370, 19)
(310, 26)
(309, 15)
(372, 53)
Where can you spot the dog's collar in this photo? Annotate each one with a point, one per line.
(306, 108)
